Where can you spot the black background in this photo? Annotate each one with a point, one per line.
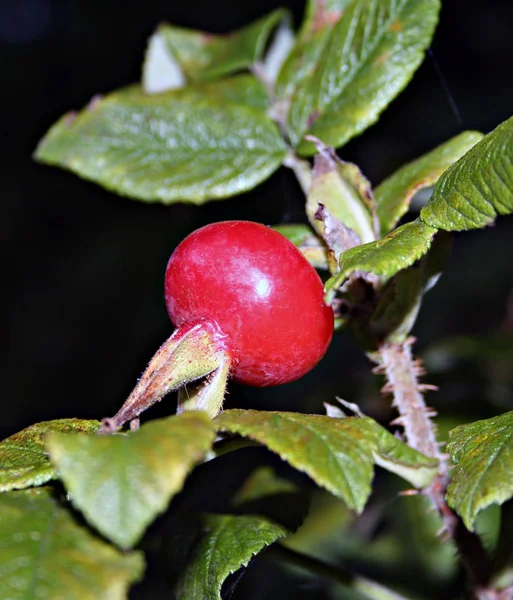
(82, 284)
(83, 268)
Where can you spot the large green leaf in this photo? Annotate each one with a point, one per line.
(320, 17)
(338, 454)
(192, 144)
(206, 56)
(386, 256)
(477, 188)
(45, 554)
(228, 543)
(394, 195)
(23, 460)
(483, 454)
(122, 482)
(366, 59)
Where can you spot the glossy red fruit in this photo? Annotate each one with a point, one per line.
(262, 294)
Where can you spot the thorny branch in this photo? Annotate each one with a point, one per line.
(402, 372)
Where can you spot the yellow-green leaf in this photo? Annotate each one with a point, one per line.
(365, 57)
(23, 459)
(206, 56)
(45, 554)
(338, 454)
(193, 144)
(122, 482)
(386, 256)
(394, 195)
(478, 187)
(483, 456)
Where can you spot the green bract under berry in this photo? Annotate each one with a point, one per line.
(246, 304)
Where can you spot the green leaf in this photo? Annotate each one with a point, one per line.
(401, 297)
(387, 256)
(344, 191)
(262, 483)
(398, 305)
(367, 58)
(323, 528)
(395, 194)
(228, 543)
(338, 454)
(45, 554)
(477, 188)
(192, 144)
(320, 17)
(311, 246)
(483, 454)
(206, 56)
(395, 456)
(23, 460)
(122, 482)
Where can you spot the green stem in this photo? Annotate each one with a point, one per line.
(370, 589)
(301, 169)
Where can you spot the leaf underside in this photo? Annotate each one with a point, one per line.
(394, 195)
(206, 56)
(338, 454)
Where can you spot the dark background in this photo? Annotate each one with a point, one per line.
(83, 268)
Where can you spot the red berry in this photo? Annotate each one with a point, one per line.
(262, 294)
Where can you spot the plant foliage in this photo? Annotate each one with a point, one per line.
(214, 116)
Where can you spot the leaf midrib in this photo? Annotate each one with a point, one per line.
(362, 63)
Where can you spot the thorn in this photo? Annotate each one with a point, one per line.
(351, 406)
(430, 413)
(388, 388)
(93, 103)
(398, 421)
(409, 493)
(425, 387)
(418, 368)
(379, 370)
(443, 534)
